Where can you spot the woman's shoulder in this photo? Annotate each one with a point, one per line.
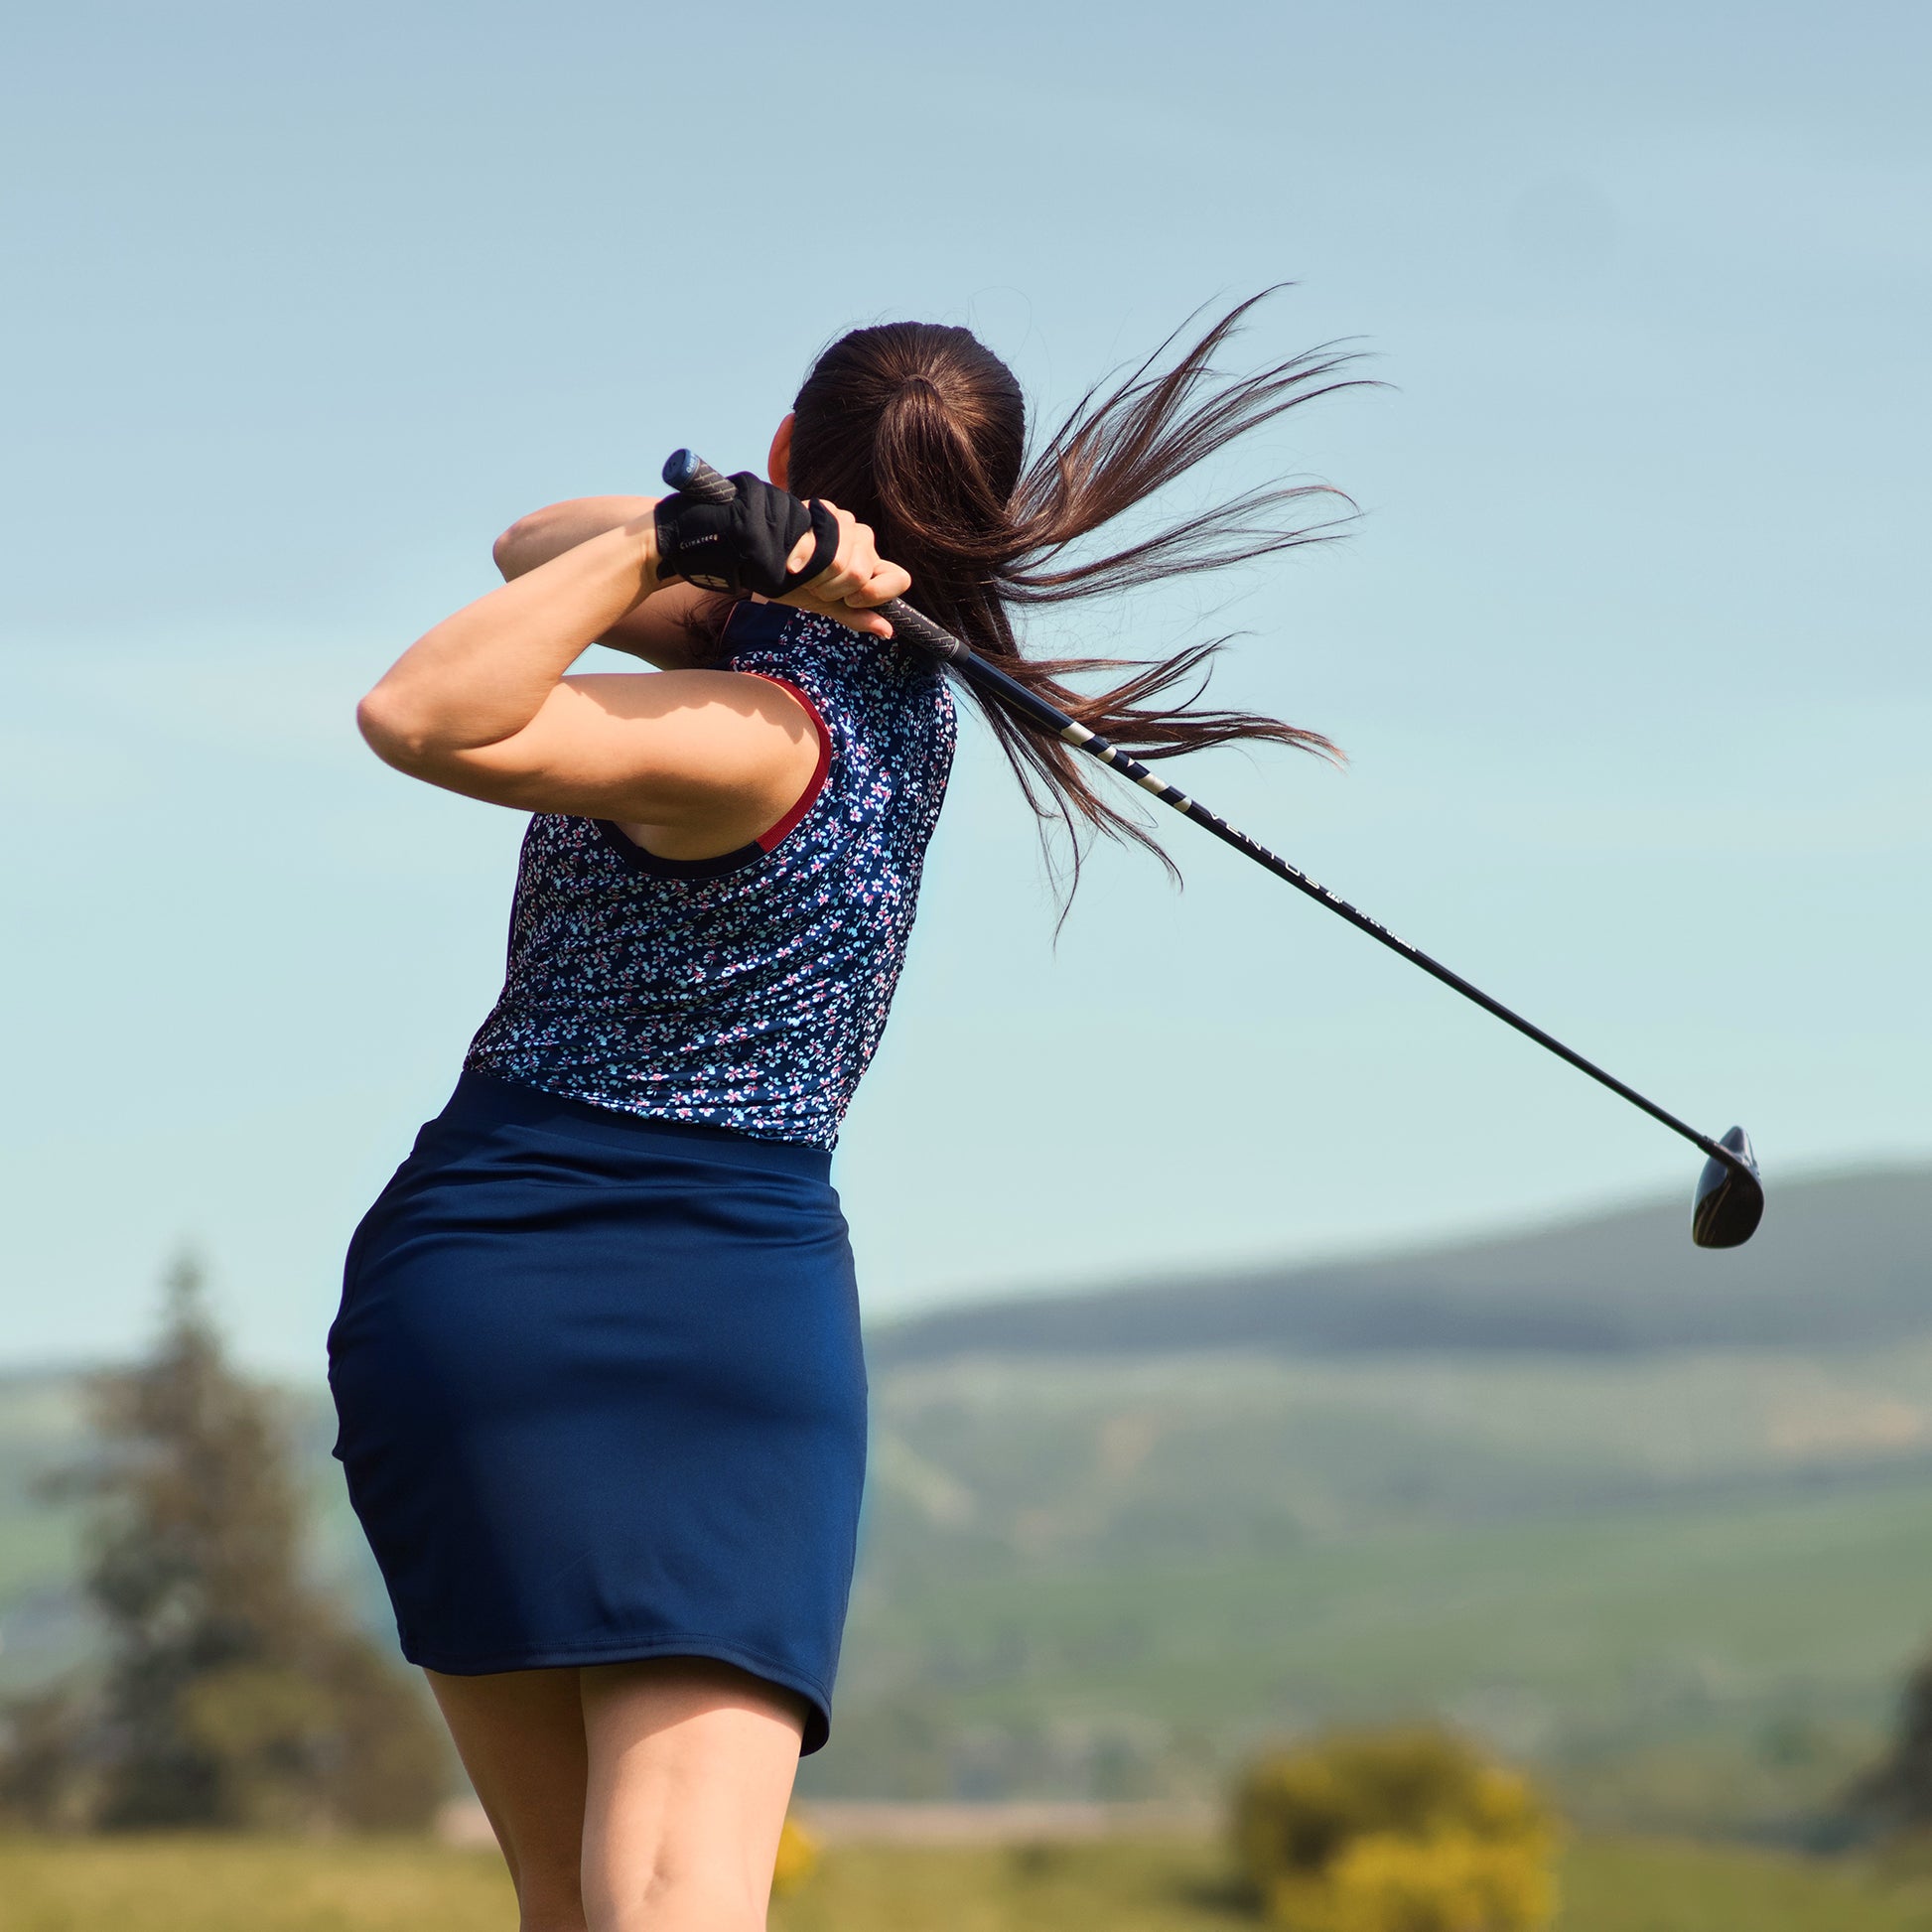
(756, 628)
(873, 682)
(883, 711)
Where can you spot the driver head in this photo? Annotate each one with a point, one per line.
(1728, 1204)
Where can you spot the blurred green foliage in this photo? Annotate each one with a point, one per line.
(1395, 1831)
(233, 1693)
(1896, 1794)
(798, 1857)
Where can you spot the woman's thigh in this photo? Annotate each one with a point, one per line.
(521, 1735)
(691, 1767)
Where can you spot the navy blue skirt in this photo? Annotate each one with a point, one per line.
(600, 1394)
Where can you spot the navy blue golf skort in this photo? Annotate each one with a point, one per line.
(602, 1396)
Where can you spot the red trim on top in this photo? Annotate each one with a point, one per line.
(770, 841)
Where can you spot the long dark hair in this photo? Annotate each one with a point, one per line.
(920, 430)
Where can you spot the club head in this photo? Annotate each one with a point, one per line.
(1728, 1204)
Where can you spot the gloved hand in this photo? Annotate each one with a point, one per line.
(743, 545)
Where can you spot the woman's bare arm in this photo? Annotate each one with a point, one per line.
(657, 630)
(480, 703)
(481, 676)
(557, 527)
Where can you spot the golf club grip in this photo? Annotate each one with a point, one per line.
(691, 474)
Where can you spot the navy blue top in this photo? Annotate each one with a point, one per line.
(749, 991)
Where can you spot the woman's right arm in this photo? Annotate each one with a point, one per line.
(658, 629)
(480, 703)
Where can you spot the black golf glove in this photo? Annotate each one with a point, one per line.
(743, 545)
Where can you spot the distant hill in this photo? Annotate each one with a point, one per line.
(1842, 1261)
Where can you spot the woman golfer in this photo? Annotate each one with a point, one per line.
(597, 1365)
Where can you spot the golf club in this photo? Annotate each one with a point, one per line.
(1729, 1198)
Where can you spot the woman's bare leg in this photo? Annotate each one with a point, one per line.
(521, 1735)
(691, 1764)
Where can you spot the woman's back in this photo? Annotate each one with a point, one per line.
(747, 990)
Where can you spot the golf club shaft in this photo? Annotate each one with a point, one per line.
(693, 475)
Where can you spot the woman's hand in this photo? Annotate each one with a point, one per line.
(761, 539)
(857, 580)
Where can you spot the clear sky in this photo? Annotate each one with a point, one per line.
(1628, 647)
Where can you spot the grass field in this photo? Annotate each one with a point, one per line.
(205, 1885)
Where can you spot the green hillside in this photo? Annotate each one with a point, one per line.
(1686, 1585)
(1682, 1577)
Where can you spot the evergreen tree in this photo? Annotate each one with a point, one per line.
(236, 1695)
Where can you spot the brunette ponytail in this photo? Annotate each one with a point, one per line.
(920, 430)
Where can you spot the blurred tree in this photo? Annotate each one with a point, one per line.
(1404, 1830)
(236, 1695)
(1897, 1795)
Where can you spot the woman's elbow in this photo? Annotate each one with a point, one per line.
(391, 732)
(520, 547)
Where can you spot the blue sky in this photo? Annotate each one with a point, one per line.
(1628, 647)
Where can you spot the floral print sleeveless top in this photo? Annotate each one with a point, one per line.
(749, 991)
